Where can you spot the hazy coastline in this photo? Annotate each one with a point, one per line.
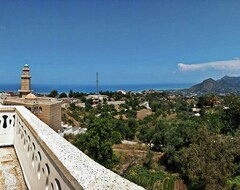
(46, 88)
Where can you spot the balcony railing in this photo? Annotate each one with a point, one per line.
(50, 162)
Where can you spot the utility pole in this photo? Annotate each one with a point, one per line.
(97, 83)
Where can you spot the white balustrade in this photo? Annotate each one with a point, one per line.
(48, 161)
(6, 127)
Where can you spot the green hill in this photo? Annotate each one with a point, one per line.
(224, 85)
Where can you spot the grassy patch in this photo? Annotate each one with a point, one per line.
(151, 180)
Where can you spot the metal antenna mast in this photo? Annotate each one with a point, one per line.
(97, 83)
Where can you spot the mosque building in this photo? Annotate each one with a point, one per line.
(45, 108)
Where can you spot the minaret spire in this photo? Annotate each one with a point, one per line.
(25, 82)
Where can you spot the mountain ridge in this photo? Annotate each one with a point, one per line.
(226, 84)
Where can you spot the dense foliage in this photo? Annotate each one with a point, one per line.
(203, 150)
(98, 140)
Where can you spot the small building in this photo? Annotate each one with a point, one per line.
(122, 92)
(46, 109)
(96, 99)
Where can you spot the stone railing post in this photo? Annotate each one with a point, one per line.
(7, 123)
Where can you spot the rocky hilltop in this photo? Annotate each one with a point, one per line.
(226, 84)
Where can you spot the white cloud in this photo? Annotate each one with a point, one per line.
(229, 65)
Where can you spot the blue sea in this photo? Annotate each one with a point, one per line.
(46, 88)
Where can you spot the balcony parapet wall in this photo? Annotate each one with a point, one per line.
(49, 161)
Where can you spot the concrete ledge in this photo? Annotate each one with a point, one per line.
(78, 169)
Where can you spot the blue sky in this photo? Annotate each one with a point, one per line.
(126, 41)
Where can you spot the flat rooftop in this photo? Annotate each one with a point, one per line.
(11, 176)
(39, 100)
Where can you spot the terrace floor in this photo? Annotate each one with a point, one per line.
(11, 176)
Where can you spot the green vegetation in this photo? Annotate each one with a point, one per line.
(98, 140)
(63, 95)
(204, 150)
(234, 184)
(151, 180)
(53, 94)
(210, 161)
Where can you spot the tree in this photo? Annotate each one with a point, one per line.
(70, 94)
(63, 95)
(88, 104)
(72, 106)
(159, 135)
(149, 160)
(208, 162)
(207, 100)
(132, 127)
(231, 114)
(145, 134)
(53, 93)
(176, 137)
(133, 102)
(98, 140)
(121, 127)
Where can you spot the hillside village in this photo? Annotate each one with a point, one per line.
(148, 137)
